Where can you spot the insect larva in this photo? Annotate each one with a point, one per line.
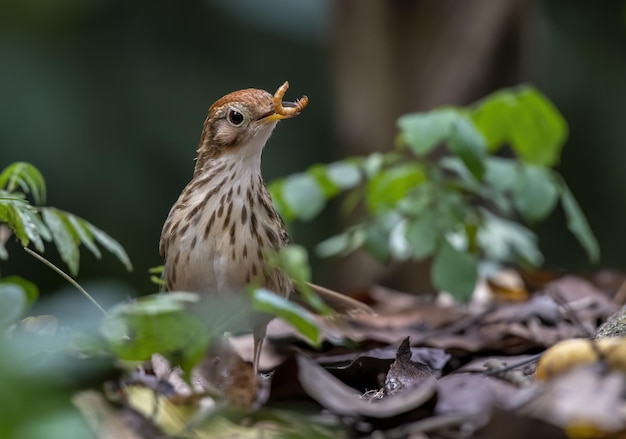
(277, 102)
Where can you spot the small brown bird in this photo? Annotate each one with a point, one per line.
(223, 224)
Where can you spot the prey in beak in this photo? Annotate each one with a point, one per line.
(284, 109)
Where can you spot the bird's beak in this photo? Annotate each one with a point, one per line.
(272, 116)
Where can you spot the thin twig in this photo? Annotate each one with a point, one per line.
(65, 276)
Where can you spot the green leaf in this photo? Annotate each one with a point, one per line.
(25, 176)
(504, 240)
(23, 220)
(34, 228)
(577, 223)
(266, 301)
(538, 131)
(499, 181)
(457, 166)
(424, 131)
(30, 289)
(64, 237)
(418, 200)
(468, 143)
(343, 243)
(455, 271)
(494, 116)
(303, 196)
(81, 227)
(386, 189)
(293, 260)
(500, 173)
(526, 120)
(12, 303)
(344, 175)
(14, 299)
(535, 192)
(275, 189)
(399, 246)
(373, 163)
(157, 324)
(377, 242)
(422, 234)
(110, 244)
(9, 214)
(320, 175)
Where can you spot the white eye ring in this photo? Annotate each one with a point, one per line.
(235, 117)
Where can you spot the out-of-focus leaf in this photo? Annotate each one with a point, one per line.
(30, 289)
(345, 175)
(293, 260)
(391, 185)
(27, 178)
(13, 302)
(373, 164)
(398, 245)
(110, 244)
(343, 243)
(319, 173)
(458, 167)
(504, 240)
(424, 131)
(64, 237)
(577, 223)
(535, 192)
(157, 324)
(500, 173)
(275, 188)
(419, 200)
(377, 234)
(156, 276)
(493, 117)
(455, 271)
(266, 301)
(303, 195)
(422, 234)
(539, 131)
(525, 119)
(469, 145)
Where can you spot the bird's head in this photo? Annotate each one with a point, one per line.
(240, 123)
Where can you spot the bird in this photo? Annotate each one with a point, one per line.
(220, 230)
(223, 226)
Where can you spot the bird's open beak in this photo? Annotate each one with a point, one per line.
(272, 116)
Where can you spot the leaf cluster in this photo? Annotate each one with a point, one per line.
(462, 187)
(36, 224)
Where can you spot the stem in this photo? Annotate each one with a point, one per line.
(65, 276)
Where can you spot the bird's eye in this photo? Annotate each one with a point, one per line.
(235, 117)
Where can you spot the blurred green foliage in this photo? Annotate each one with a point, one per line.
(459, 206)
(107, 99)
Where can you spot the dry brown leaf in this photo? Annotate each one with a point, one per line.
(339, 398)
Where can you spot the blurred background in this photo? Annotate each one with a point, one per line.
(107, 98)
